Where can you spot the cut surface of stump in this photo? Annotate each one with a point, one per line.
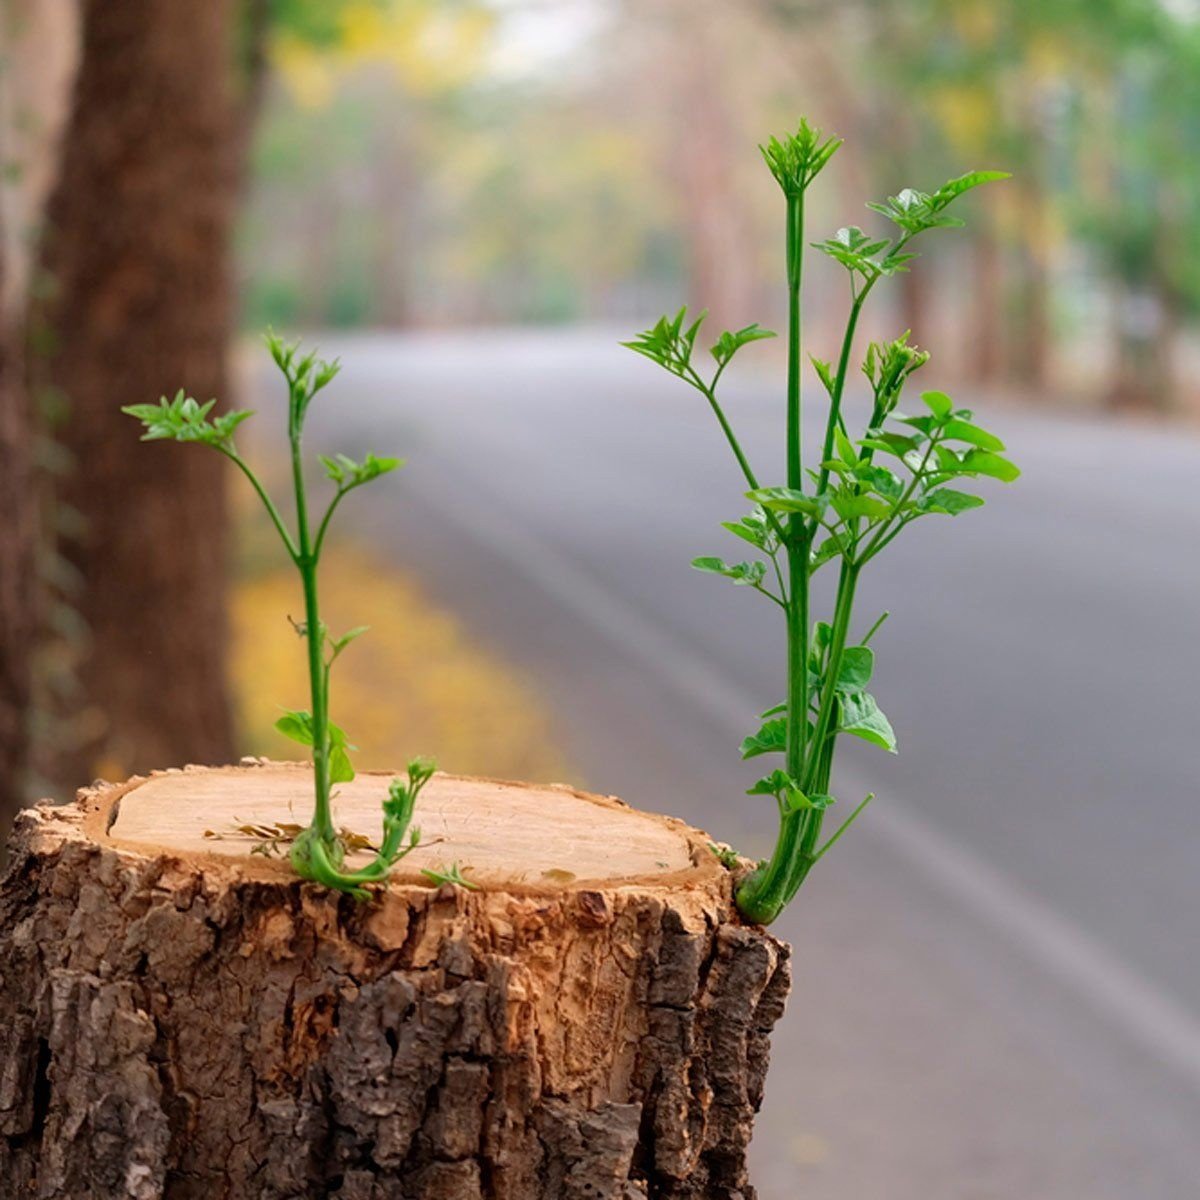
(505, 833)
(184, 1018)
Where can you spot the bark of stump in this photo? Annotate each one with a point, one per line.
(183, 1019)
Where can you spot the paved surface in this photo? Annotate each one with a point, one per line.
(998, 974)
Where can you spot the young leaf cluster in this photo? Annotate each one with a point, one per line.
(847, 506)
(318, 851)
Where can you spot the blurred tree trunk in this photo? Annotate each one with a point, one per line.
(1031, 317)
(915, 291)
(38, 46)
(138, 251)
(984, 355)
(17, 531)
(397, 196)
(719, 249)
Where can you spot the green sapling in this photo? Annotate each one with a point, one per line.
(846, 507)
(317, 852)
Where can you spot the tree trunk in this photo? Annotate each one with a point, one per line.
(984, 352)
(914, 292)
(37, 42)
(17, 533)
(137, 248)
(188, 1020)
(1031, 318)
(720, 254)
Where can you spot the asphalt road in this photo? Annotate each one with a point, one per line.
(998, 973)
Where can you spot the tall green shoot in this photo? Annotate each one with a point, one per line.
(318, 852)
(842, 507)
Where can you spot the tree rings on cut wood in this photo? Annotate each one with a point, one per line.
(184, 1019)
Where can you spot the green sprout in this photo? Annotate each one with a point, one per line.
(847, 507)
(318, 851)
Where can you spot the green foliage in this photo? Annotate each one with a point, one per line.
(848, 509)
(347, 473)
(318, 852)
(185, 420)
(798, 158)
(916, 211)
(452, 875)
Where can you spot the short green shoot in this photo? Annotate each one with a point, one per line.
(846, 504)
(318, 850)
(451, 874)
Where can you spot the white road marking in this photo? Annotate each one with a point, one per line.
(1159, 1022)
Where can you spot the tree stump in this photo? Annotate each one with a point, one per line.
(183, 1018)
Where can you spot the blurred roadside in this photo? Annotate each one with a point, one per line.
(418, 685)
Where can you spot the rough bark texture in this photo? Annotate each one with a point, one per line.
(178, 1029)
(137, 247)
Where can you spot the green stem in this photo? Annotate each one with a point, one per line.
(307, 561)
(799, 539)
(839, 383)
(761, 897)
(319, 540)
(232, 454)
(730, 436)
(843, 611)
(820, 754)
(820, 854)
(795, 278)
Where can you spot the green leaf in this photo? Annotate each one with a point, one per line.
(451, 874)
(939, 404)
(863, 718)
(794, 800)
(819, 800)
(854, 249)
(340, 768)
(296, 725)
(730, 342)
(879, 480)
(924, 424)
(339, 644)
(824, 373)
(984, 462)
(964, 183)
(818, 645)
(850, 506)
(964, 431)
(947, 500)
(788, 500)
(744, 573)
(668, 343)
(845, 448)
(854, 673)
(183, 419)
(772, 785)
(770, 739)
(890, 443)
(833, 546)
(753, 528)
(783, 787)
(798, 158)
(347, 473)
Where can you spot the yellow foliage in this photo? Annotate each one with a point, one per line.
(976, 23)
(416, 683)
(430, 47)
(966, 114)
(310, 77)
